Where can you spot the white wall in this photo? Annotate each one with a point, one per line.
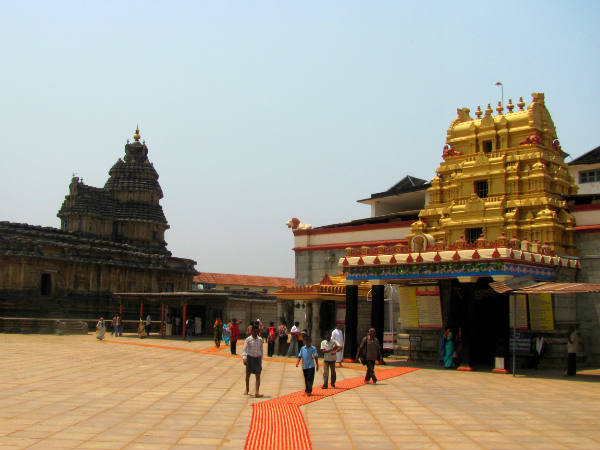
(585, 188)
(352, 236)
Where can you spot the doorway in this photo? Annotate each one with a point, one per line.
(201, 322)
(327, 316)
(481, 315)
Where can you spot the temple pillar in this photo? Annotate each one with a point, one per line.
(162, 319)
(351, 346)
(316, 332)
(142, 309)
(307, 324)
(377, 311)
(183, 320)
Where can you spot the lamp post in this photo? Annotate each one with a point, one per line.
(499, 83)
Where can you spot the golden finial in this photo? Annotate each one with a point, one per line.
(137, 136)
(478, 113)
(510, 105)
(521, 103)
(488, 110)
(499, 108)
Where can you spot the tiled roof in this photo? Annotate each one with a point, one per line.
(591, 157)
(242, 280)
(406, 184)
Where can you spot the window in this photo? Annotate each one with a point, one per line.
(66, 224)
(589, 176)
(473, 234)
(46, 285)
(170, 287)
(487, 146)
(481, 188)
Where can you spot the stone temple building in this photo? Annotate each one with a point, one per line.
(111, 239)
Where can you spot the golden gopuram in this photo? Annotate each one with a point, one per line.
(501, 173)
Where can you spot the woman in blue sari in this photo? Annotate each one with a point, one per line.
(448, 349)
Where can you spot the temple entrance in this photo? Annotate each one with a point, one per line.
(201, 323)
(327, 316)
(481, 316)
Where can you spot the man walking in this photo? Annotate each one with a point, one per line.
(252, 358)
(293, 350)
(310, 361)
(338, 336)
(148, 324)
(329, 348)
(369, 352)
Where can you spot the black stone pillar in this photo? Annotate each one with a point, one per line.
(350, 346)
(468, 313)
(377, 311)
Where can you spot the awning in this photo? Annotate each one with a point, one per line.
(546, 287)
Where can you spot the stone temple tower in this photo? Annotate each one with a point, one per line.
(503, 177)
(127, 209)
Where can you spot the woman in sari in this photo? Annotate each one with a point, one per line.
(100, 329)
(218, 327)
(141, 329)
(448, 349)
(226, 332)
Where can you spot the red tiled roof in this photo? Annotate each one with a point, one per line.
(242, 280)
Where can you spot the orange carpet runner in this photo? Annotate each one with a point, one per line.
(278, 424)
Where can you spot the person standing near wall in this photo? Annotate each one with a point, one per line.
(338, 336)
(218, 331)
(148, 324)
(271, 337)
(100, 329)
(573, 347)
(235, 335)
(282, 334)
(293, 350)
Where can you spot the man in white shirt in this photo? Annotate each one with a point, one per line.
(252, 358)
(295, 331)
(338, 337)
(329, 348)
(148, 324)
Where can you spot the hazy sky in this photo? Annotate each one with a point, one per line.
(255, 112)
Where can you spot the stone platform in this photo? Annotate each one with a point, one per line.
(77, 392)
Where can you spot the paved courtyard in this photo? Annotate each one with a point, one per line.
(76, 392)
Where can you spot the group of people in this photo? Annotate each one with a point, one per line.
(369, 352)
(228, 332)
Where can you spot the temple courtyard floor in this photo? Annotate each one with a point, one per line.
(73, 392)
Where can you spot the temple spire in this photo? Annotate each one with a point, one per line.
(137, 136)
